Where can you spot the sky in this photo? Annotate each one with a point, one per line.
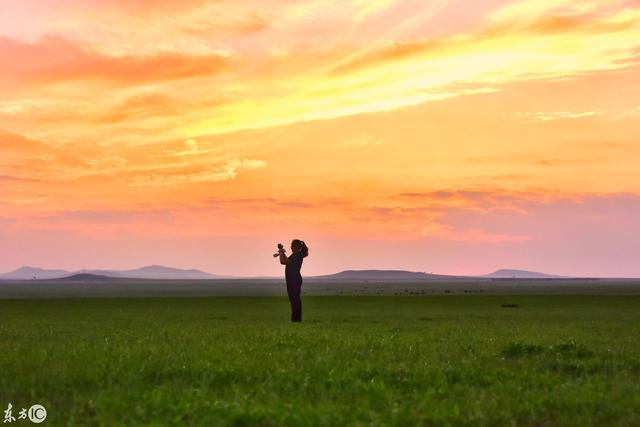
(445, 136)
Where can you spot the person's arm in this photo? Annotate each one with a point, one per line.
(283, 258)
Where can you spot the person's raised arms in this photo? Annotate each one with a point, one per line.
(283, 258)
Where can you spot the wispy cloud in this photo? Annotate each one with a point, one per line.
(546, 116)
(54, 59)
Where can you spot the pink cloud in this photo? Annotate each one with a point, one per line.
(54, 59)
(581, 235)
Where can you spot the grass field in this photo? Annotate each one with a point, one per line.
(365, 360)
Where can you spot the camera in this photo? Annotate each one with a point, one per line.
(280, 249)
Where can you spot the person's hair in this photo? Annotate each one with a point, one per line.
(304, 249)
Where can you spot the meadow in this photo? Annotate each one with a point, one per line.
(492, 360)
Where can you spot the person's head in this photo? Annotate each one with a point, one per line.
(299, 246)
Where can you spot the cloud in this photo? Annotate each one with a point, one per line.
(14, 143)
(323, 74)
(145, 5)
(546, 116)
(264, 204)
(170, 163)
(55, 59)
(491, 216)
(414, 72)
(142, 106)
(574, 216)
(508, 26)
(495, 216)
(527, 10)
(581, 23)
(191, 173)
(488, 198)
(394, 51)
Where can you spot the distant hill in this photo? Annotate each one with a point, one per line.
(86, 277)
(520, 274)
(384, 275)
(29, 273)
(162, 272)
(109, 273)
(147, 272)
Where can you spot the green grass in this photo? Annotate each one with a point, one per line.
(435, 360)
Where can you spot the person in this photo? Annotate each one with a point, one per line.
(292, 275)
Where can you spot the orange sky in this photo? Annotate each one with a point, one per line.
(447, 136)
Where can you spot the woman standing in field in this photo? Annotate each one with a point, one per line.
(292, 274)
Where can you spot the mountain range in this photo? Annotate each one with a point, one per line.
(385, 275)
(147, 272)
(162, 272)
(521, 274)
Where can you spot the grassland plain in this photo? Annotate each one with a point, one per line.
(355, 360)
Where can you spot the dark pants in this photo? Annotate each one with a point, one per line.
(294, 286)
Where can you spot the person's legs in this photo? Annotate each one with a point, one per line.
(293, 290)
(290, 292)
(300, 301)
(297, 306)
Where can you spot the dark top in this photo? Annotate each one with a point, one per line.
(292, 269)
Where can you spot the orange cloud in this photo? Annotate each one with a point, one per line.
(140, 107)
(54, 59)
(12, 143)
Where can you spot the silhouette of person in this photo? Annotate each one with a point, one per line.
(293, 277)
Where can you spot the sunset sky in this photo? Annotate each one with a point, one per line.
(454, 137)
